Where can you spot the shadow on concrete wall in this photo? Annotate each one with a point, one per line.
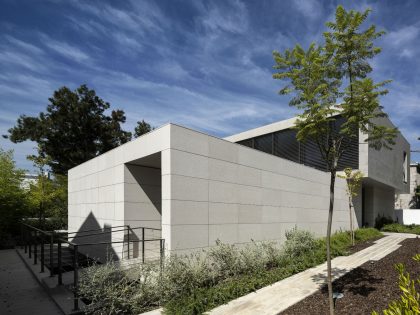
(90, 232)
(150, 181)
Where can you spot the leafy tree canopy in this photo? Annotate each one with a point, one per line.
(142, 128)
(74, 128)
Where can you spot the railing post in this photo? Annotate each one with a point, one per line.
(76, 278)
(30, 243)
(42, 252)
(25, 235)
(128, 242)
(142, 245)
(60, 276)
(162, 253)
(21, 236)
(35, 249)
(52, 254)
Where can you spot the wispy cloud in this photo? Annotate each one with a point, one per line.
(64, 49)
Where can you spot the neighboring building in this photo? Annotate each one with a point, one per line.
(32, 179)
(198, 188)
(28, 180)
(408, 201)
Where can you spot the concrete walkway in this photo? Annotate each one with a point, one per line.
(20, 293)
(275, 298)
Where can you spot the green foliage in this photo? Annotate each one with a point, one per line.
(382, 220)
(142, 128)
(73, 129)
(400, 228)
(112, 290)
(354, 181)
(201, 281)
(47, 196)
(13, 201)
(415, 201)
(321, 74)
(299, 243)
(409, 302)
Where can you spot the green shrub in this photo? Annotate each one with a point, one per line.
(201, 281)
(409, 302)
(298, 243)
(399, 228)
(380, 221)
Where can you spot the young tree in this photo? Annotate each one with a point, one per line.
(317, 78)
(13, 201)
(354, 181)
(47, 195)
(74, 128)
(142, 128)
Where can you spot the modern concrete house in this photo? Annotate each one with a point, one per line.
(255, 185)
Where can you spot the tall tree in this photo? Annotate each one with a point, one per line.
(142, 128)
(321, 75)
(74, 128)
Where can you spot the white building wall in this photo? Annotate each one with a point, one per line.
(407, 216)
(214, 189)
(105, 192)
(405, 201)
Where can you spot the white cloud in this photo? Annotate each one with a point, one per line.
(403, 36)
(311, 9)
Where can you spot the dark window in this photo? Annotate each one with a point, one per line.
(311, 156)
(247, 142)
(286, 145)
(264, 143)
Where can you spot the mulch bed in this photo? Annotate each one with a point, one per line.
(372, 286)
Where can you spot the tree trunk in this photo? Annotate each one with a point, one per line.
(328, 241)
(351, 221)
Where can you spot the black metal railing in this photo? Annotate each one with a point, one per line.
(60, 247)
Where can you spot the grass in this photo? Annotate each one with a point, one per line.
(400, 228)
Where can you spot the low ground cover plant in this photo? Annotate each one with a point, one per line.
(400, 228)
(409, 301)
(201, 281)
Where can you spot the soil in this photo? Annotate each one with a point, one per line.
(372, 286)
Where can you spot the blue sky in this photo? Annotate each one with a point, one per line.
(203, 64)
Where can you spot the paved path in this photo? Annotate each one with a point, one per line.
(275, 298)
(20, 293)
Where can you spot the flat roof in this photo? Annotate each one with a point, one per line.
(263, 130)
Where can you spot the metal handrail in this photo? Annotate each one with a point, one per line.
(59, 239)
(100, 229)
